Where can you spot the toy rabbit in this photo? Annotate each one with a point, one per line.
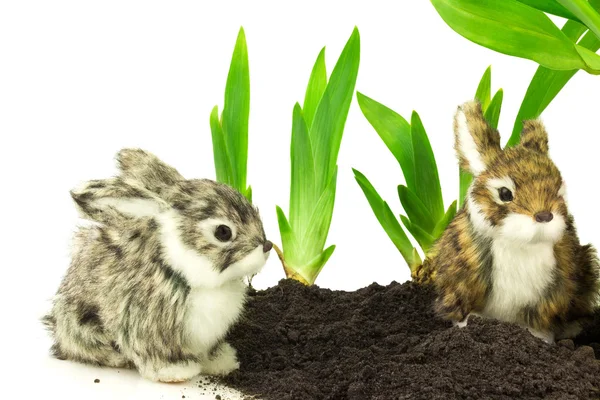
(512, 252)
(157, 281)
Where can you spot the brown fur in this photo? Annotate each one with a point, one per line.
(461, 262)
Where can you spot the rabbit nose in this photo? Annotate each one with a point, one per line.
(544, 216)
(267, 246)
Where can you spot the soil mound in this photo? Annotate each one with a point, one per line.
(384, 342)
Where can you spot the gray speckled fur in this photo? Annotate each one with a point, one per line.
(124, 301)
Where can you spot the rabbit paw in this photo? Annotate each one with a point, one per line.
(546, 336)
(173, 373)
(461, 324)
(222, 361)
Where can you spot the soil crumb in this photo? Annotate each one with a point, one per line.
(384, 342)
(96, 380)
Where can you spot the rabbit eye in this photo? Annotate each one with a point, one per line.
(223, 233)
(505, 194)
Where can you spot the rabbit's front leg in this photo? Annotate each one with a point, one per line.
(164, 371)
(221, 360)
(540, 318)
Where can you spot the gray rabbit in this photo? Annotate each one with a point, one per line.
(156, 279)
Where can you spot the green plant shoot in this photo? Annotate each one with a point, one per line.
(317, 129)
(425, 216)
(230, 130)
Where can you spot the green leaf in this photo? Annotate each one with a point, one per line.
(586, 14)
(492, 114)
(394, 131)
(424, 239)
(236, 111)
(248, 194)
(288, 239)
(313, 268)
(315, 89)
(445, 221)
(591, 59)
(328, 125)
(465, 180)
(573, 30)
(511, 28)
(427, 180)
(313, 241)
(302, 192)
(416, 260)
(546, 84)
(386, 218)
(550, 7)
(221, 157)
(484, 89)
(415, 209)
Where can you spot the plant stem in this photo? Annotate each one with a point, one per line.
(289, 273)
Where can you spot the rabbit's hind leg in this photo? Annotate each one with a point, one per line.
(80, 336)
(168, 372)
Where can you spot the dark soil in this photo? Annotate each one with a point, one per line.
(384, 342)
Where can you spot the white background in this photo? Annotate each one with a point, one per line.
(80, 80)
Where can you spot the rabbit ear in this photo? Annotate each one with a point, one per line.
(110, 201)
(534, 136)
(476, 142)
(147, 169)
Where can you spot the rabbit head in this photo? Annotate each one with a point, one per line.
(517, 193)
(208, 232)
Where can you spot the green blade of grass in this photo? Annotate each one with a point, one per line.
(328, 124)
(424, 239)
(415, 209)
(546, 84)
(302, 191)
(492, 114)
(288, 238)
(465, 179)
(236, 111)
(315, 89)
(443, 223)
(394, 130)
(386, 218)
(427, 180)
(220, 154)
(248, 194)
(484, 89)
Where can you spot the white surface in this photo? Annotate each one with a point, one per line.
(80, 80)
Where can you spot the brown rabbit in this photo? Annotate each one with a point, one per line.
(512, 252)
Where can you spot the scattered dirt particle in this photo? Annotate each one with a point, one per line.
(382, 342)
(96, 380)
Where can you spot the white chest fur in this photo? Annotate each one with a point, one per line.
(521, 274)
(211, 312)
